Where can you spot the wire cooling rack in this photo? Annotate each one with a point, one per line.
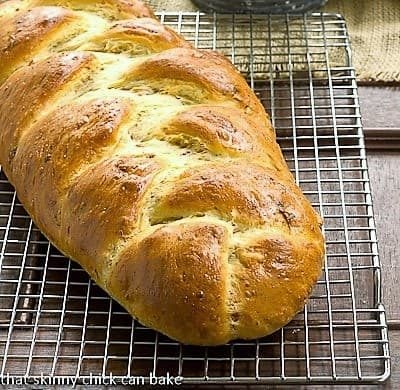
(55, 321)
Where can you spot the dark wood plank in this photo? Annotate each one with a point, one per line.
(384, 170)
(394, 381)
(380, 106)
(387, 138)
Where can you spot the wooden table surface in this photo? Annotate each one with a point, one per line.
(381, 120)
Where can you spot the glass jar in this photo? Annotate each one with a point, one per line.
(259, 6)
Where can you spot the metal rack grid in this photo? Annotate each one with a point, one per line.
(55, 321)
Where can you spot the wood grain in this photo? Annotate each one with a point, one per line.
(384, 170)
(379, 107)
(387, 138)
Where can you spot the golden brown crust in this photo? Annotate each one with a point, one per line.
(110, 9)
(261, 198)
(25, 33)
(102, 207)
(137, 36)
(213, 75)
(225, 131)
(155, 167)
(175, 281)
(27, 91)
(56, 148)
(274, 276)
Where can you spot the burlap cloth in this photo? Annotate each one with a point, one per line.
(374, 29)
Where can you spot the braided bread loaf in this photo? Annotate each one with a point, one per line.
(154, 166)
